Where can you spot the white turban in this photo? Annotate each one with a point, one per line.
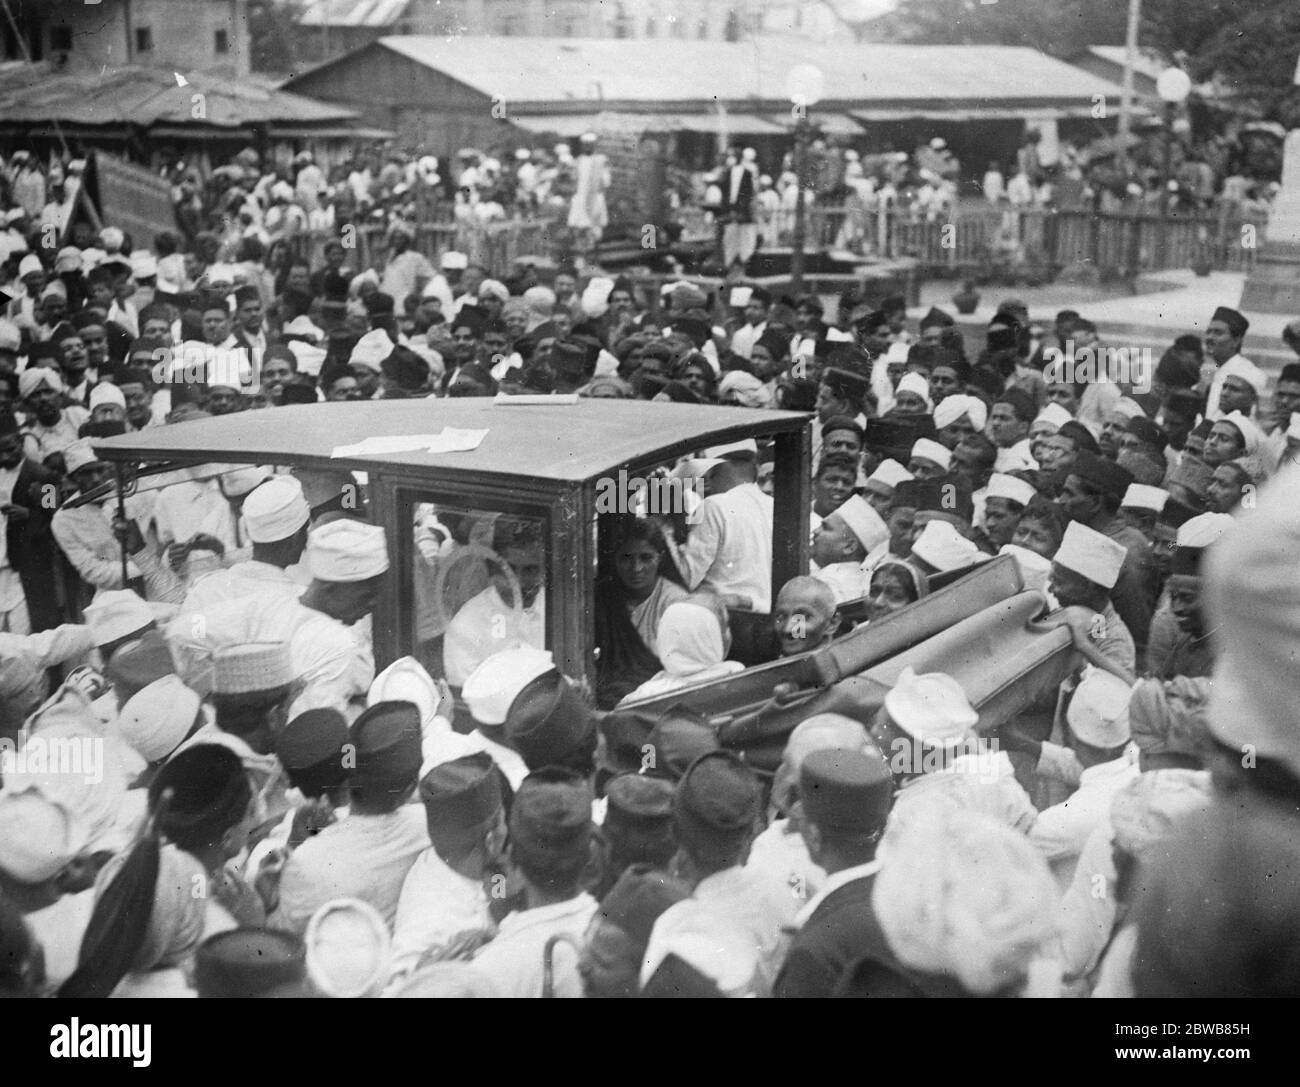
(966, 897)
(915, 383)
(748, 390)
(952, 408)
(1250, 433)
(39, 377)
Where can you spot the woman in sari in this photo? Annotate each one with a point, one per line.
(692, 640)
(630, 600)
(894, 585)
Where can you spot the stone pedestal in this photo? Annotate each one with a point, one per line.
(1273, 286)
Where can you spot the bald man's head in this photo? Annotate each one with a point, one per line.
(805, 615)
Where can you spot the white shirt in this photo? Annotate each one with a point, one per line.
(334, 661)
(243, 579)
(730, 550)
(744, 338)
(757, 910)
(779, 856)
(41, 441)
(440, 915)
(363, 856)
(514, 959)
(184, 510)
(1061, 831)
(508, 760)
(486, 625)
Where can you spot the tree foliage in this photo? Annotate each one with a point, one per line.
(1251, 44)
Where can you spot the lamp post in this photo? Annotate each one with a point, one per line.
(1173, 86)
(804, 86)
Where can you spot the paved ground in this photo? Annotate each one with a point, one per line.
(1170, 304)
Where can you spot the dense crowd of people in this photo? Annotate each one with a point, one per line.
(363, 834)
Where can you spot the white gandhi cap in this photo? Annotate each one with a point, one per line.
(347, 550)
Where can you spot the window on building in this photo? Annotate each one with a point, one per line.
(650, 27)
(143, 39)
(221, 41)
(702, 31)
(61, 39)
(732, 31)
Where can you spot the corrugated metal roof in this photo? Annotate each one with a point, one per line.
(147, 97)
(575, 124)
(372, 13)
(553, 70)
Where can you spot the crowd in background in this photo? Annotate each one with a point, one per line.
(535, 852)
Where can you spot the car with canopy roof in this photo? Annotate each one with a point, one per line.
(548, 468)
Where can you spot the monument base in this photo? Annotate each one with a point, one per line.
(1273, 285)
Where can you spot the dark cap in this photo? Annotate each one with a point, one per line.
(895, 437)
(846, 790)
(1082, 437)
(639, 819)
(203, 786)
(1290, 372)
(937, 317)
(296, 392)
(569, 358)
(678, 738)
(1104, 475)
(775, 344)
(550, 723)
(1237, 324)
(907, 494)
(698, 330)
(462, 796)
(248, 962)
(470, 317)
(387, 740)
(1192, 473)
(406, 368)
(1186, 562)
(925, 354)
(311, 749)
(852, 387)
(639, 800)
(843, 422)
(637, 899)
(1145, 430)
(1021, 403)
(718, 794)
(625, 732)
(550, 819)
(1175, 513)
(865, 326)
(380, 304)
(810, 302)
(946, 494)
(1002, 336)
(845, 356)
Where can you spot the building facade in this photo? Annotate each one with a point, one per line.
(88, 35)
(330, 28)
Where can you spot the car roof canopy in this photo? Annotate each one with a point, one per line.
(565, 443)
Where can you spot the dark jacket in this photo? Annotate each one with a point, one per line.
(31, 547)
